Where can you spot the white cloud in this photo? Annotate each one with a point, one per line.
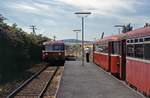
(42, 6)
(34, 8)
(25, 7)
(102, 5)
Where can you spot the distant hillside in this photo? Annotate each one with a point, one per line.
(75, 41)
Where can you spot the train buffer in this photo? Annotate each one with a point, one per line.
(91, 81)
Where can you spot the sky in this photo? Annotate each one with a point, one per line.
(56, 17)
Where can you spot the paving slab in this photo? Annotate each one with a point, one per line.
(91, 81)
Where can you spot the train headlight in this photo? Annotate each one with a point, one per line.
(59, 53)
(46, 53)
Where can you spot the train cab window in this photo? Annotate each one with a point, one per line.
(58, 47)
(48, 48)
(146, 51)
(54, 47)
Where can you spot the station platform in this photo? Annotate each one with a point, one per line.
(91, 81)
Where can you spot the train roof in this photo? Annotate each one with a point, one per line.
(53, 42)
(110, 38)
(141, 32)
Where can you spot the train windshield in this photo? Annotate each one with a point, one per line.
(54, 47)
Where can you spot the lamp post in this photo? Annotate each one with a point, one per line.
(82, 15)
(77, 31)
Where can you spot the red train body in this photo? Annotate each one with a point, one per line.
(138, 59)
(101, 60)
(127, 55)
(105, 54)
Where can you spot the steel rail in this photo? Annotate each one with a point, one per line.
(12, 94)
(48, 83)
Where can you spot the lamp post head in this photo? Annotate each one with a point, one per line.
(77, 30)
(82, 14)
(119, 25)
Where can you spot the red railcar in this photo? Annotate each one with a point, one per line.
(138, 59)
(127, 55)
(54, 52)
(106, 53)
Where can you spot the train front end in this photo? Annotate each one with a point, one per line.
(54, 53)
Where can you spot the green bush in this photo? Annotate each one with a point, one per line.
(18, 50)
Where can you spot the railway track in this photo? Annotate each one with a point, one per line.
(37, 85)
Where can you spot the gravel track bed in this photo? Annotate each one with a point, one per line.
(10, 86)
(34, 88)
(53, 87)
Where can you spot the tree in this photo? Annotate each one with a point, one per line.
(14, 25)
(18, 49)
(2, 18)
(127, 28)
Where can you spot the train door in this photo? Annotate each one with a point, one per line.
(93, 52)
(109, 55)
(123, 59)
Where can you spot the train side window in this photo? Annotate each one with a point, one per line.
(105, 48)
(138, 50)
(141, 40)
(101, 48)
(147, 39)
(131, 41)
(130, 50)
(146, 51)
(115, 48)
(135, 40)
(63, 47)
(97, 48)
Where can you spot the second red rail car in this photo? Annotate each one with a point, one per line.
(107, 53)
